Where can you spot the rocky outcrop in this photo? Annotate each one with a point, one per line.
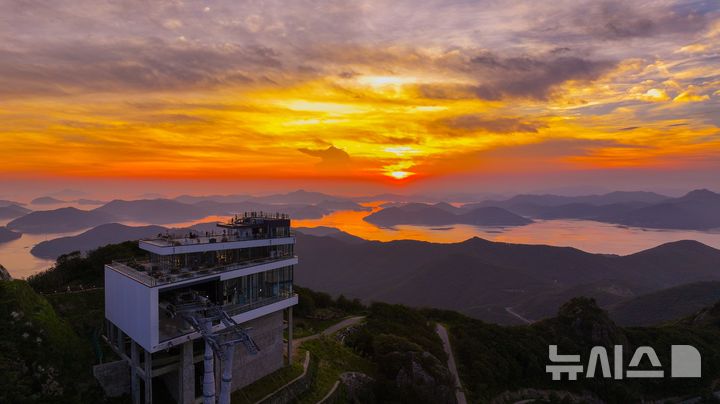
(582, 317)
(358, 387)
(422, 375)
(4, 274)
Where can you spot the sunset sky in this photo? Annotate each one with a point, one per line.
(382, 94)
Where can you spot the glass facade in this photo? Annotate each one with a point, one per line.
(235, 295)
(256, 287)
(212, 259)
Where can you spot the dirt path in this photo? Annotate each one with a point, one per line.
(518, 316)
(459, 394)
(328, 331)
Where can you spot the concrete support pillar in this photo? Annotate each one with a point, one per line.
(120, 340)
(209, 376)
(218, 373)
(148, 377)
(290, 335)
(187, 374)
(134, 377)
(108, 332)
(227, 373)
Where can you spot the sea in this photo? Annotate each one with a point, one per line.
(586, 235)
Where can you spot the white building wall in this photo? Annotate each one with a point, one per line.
(132, 307)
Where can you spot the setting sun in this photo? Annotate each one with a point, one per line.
(287, 101)
(399, 175)
(444, 168)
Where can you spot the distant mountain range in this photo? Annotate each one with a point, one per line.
(697, 210)
(155, 211)
(109, 233)
(99, 236)
(444, 214)
(324, 231)
(163, 211)
(190, 199)
(483, 278)
(83, 201)
(59, 220)
(5, 202)
(299, 197)
(492, 281)
(113, 233)
(8, 235)
(518, 202)
(46, 200)
(395, 198)
(12, 211)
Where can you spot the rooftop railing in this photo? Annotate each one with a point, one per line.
(154, 278)
(211, 237)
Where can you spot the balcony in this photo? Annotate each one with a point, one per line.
(175, 331)
(142, 272)
(211, 238)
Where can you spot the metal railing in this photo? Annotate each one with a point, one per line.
(133, 273)
(234, 310)
(163, 278)
(210, 238)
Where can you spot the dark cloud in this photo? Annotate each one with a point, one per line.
(61, 47)
(619, 20)
(332, 157)
(531, 76)
(528, 76)
(497, 125)
(147, 65)
(441, 91)
(553, 148)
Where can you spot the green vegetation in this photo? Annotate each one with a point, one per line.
(305, 327)
(41, 358)
(402, 322)
(310, 301)
(48, 344)
(408, 353)
(317, 311)
(492, 359)
(85, 312)
(333, 359)
(261, 388)
(74, 271)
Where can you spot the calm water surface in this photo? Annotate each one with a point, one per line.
(586, 235)
(582, 234)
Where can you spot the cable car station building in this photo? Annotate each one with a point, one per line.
(205, 313)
